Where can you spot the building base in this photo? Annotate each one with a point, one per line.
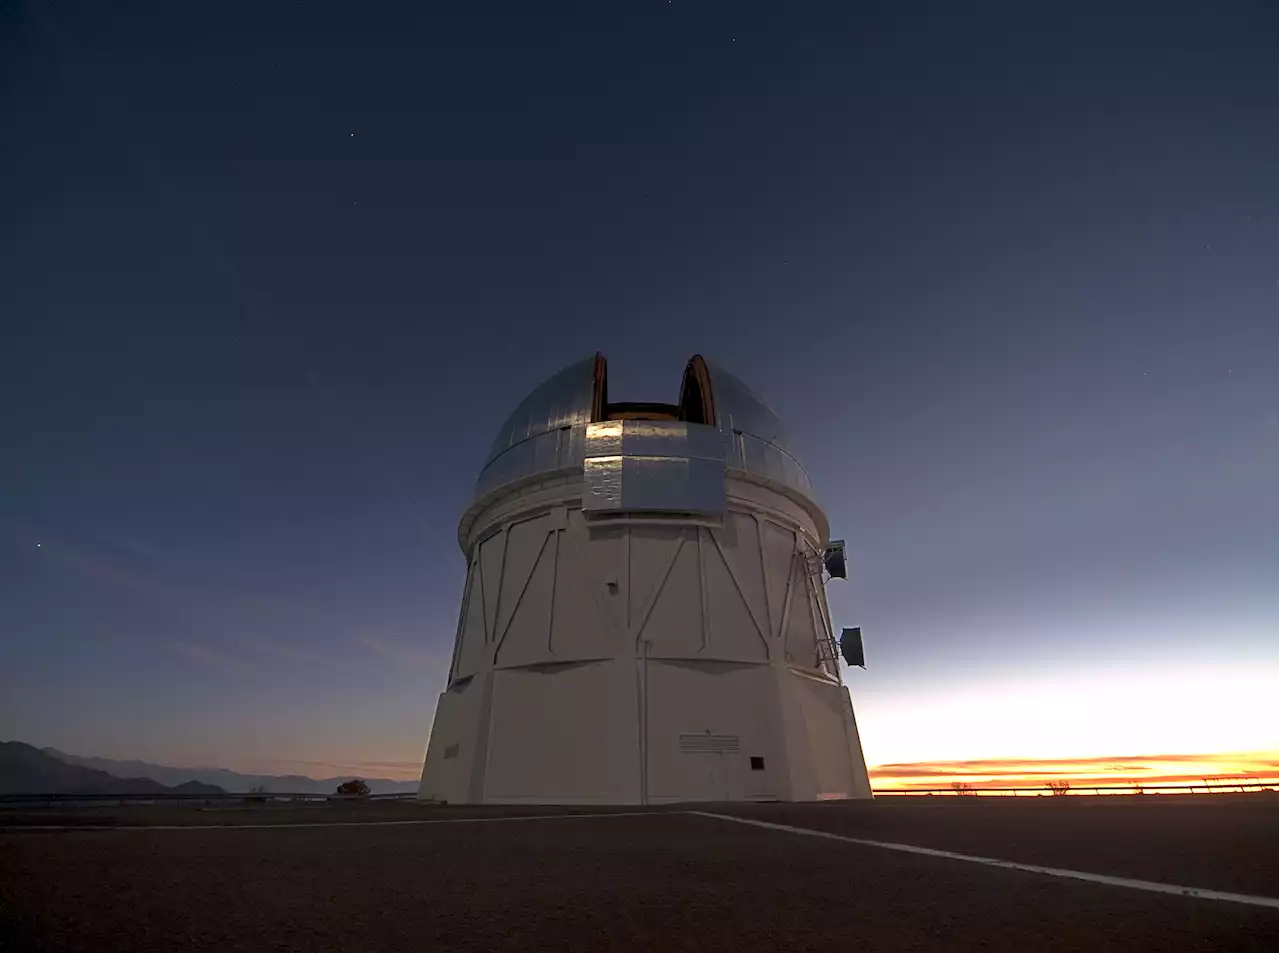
(643, 731)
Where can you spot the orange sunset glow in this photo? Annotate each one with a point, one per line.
(1081, 773)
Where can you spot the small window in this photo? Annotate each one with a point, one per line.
(757, 764)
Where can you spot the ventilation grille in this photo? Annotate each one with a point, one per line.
(709, 744)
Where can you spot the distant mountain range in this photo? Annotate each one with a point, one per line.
(231, 781)
(25, 769)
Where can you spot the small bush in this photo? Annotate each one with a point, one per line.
(963, 788)
(1059, 788)
(355, 787)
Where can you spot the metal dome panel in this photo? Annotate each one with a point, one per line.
(546, 431)
(758, 442)
(565, 399)
(549, 431)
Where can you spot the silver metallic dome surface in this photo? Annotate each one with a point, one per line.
(548, 430)
(563, 400)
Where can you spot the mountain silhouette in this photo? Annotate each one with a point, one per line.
(25, 769)
(232, 781)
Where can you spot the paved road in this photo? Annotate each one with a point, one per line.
(658, 881)
(1217, 841)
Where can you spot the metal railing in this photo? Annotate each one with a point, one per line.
(255, 797)
(1241, 786)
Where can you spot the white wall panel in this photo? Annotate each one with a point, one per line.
(747, 496)
(606, 558)
(801, 775)
(452, 748)
(473, 649)
(857, 761)
(492, 551)
(525, 542)
(711, 698)
(680, 629)
(674, 628)
(586, 614)
(733, 630)
(801, 632)
(526, 639)
(652, 549)
(777, 546)
(567, 734)
(825, 724)
(739, 545)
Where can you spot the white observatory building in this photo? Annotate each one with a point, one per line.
(644, 619)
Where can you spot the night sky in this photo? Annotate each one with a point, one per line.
(273, 274)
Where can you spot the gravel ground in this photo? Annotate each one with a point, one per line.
(669, 881)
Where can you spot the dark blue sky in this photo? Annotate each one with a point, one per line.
(271, 276)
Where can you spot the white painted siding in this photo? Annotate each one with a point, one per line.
(567, 735)
(691, 627)
(711, 699)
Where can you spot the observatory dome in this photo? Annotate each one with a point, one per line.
(548, 430)
(644, 618)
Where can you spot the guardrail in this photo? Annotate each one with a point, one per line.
(165, 798)
(1244, 785)
(1241, 786)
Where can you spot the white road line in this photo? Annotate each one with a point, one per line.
(16, 828)
(1150, 885)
